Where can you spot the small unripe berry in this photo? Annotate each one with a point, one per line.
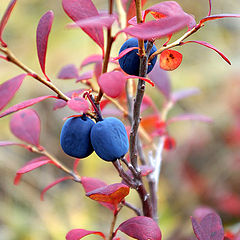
(109, 139)
(75, 137)
(130, 62)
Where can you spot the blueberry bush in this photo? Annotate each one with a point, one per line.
(113, 116)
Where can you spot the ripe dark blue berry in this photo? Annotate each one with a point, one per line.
(109, 139)
(75, 137)
(130, 62)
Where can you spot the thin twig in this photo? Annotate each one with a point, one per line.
(178, 42)
(11, 58)
(111, 234)
(65, 169)
(136, 210)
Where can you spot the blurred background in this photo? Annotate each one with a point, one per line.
(202, 170)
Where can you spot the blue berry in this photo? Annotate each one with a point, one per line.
(130, 62)
(109, 139)
(75, 136)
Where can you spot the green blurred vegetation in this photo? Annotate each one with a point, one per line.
(24, 217)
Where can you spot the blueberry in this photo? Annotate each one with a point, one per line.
(75, 136)
(109, 139)
(130, 62)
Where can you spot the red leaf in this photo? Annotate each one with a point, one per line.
(43, 30)
(168, 9)
(85, 76)
(145, 170)
(91, 59)
(218, 16)
(142, 78)
(211, 47)
(158, 28)
(124, 52)
(9, 88)
(210, 7)
(83, 9)
(112, 83)
(5, 18)
(69, 71)
(104, 103)
(113, 193)
(169, 143)
(90, 184)
(59, 103)
(53, 184)
(210, 228)
(24, 104)
(170, 60)
(31, 165)
(99, 21)
(184, 93)
(76, 234)
(78, 104)
(191, 117)
(141, 228)
(130, 7)
(161, 79)
(25, 125)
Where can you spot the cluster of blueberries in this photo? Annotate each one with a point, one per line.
(80, 136)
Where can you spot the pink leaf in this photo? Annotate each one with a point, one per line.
(59, 103)
(8, 143)
(69, 71)
(141, 228)
(78, 104)
(161, 79)
(191, 117)
(43, 30)
(90, 184)
(31, 165)
(85, 76)
(9, 88)
(24, 104)
(99, 21)
(168, 9)
(76, 234)
(124, 52)
(83, 9)
(112, 83)
(210, 227)
(184, 93)
(142, 78)
(159, 28)
(53, 184)
(98, 70)
(25, 125)
(201, 212)
(218, 16)
(91, 59)
(211, 47)
(5, 18)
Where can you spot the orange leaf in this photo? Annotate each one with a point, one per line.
(113, 193)
(170, 60)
